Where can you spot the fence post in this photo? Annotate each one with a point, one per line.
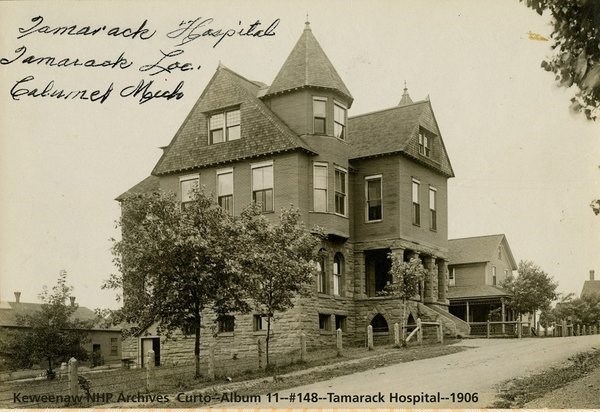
(261, 351)
(73, 382)
(302, 347)
(546, 330)
(338, 342)
(419, 331)
(519, 330)
(440, 330)
(488, 329)
(211, 362)
(150, 375)
(564, 329)
(370, 337)
(579, 329)
(584, 332)
(396, 335)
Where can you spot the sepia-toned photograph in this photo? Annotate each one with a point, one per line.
(300, 204)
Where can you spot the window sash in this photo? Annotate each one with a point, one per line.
(262, 177)
(320, 188)
(337, 276)
(187, 187)
(265, 198)
(432, 208)
(374, 201)
(225, 126)
(339, 121)
(319, 115)
(226, 324)
(340, 192)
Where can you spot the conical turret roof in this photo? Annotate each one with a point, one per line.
(308, 66)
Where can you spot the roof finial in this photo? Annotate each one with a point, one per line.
(405, 96)
(405, 88)
(307, 23)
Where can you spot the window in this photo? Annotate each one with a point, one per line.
(224, 126)
(338, 272)
(379, 324)
(260, 323)
(339, 121)
(340, 322)
(324, 322)
(424, 144)
(494, 275)
(416, 186)
(319, 114)
(452, 277)
(225, 189)
(432, 208)
(187, 185)
(322, 277)
(340, 191)
(373, 194)
(225, 323)
(320, 187)
(262, 185)
(114, 346)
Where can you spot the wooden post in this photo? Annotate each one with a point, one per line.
(396, 335)
(503, 316)
(546, 330)
(261, 352)
(519, 329)
(440, 330)
(488, 329)
(211, 362)
(338, 342)
(73, 382)
(584, 332)
(564, 328)
(302, 347)
(150, 374)
(467, 312)
(370, 337)
(419, 331)
(579, 329)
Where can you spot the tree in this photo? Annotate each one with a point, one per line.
(175, 261)
(51, 334)
(279, 259)
(576, 59)
(532, 290)
(406, 277)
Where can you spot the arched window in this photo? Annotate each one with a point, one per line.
(322, 278)
(379, 324)
(338, 272)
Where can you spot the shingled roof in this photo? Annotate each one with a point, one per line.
(308, 66)
(149, 184)
(591, 287)
(478, 249)
(189, 149)
(395, 130)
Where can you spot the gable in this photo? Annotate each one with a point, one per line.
(262, 132)
(473, 249)
(396, 130)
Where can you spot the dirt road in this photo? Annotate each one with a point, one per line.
(475, 371)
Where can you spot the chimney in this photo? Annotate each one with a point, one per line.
(72, 300)
(17, 296)
(592, 275)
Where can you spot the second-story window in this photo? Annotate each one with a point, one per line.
(416, 202)
(432, 208)
(340, 191)
(225, 189)
(424, 144)
(320, 187)
(373, 194)
(339, 121)
(494, 278)
(187, 185)
(224, 126)
(262, 185)
(319, 115)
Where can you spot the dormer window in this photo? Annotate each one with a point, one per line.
(319, 115)
(424, 144)
(339, 121)
(224, 126)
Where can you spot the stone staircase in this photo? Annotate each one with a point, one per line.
(453, 326)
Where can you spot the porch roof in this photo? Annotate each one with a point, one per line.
(475, 292)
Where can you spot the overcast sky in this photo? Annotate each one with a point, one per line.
(525, 166)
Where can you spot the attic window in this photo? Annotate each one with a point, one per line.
(424, 144)
(224, 126)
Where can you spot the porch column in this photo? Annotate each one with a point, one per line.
(442, 265)
(429, 266)
(503, 314)
(411, 254)
(360, 274)
(398, 251)
(467, 319)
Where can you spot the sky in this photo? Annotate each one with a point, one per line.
(525, 165)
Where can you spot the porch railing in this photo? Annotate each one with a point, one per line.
(500, 329)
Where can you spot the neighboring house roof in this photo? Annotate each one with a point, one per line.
(481, 291)
(10, 311)
(189, 149)
(396, 130)
(308, 66)
(591, 287)
(478, 249)
(149, 184)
